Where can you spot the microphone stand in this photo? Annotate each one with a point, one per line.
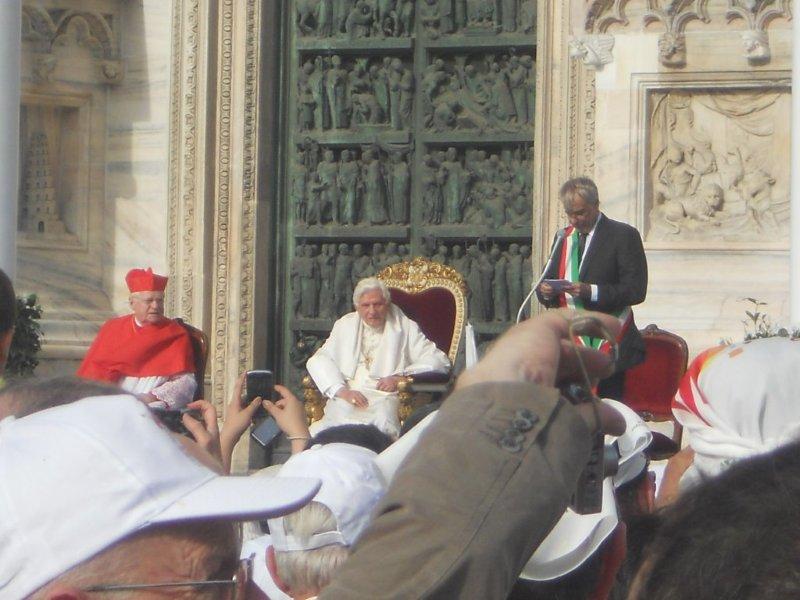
(556, 243)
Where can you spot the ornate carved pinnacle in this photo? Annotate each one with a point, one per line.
(601, 14)
(757, 14)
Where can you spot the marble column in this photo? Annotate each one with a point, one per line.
(10, 47)
(794, 253)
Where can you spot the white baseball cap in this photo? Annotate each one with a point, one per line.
(77, 478)
(352, 485)
(577, 537)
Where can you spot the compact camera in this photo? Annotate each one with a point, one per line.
(603, 462)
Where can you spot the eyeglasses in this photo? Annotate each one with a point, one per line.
(239, 582)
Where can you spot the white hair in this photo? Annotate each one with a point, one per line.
(310, 570)
(367, 285)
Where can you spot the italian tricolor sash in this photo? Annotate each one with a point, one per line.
(569, 269)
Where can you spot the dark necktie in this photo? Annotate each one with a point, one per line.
(581, 245)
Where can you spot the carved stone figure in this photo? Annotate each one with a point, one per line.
(395, 77)
(446, 16)
(296, 281)
(336, 89)
(459, 261)
(359, 20)
(454, 187)
(325, 18)
(402, 250)
(757, 191)
(380, 84)
(392, 254)
(299, 192)
(349, 186)
(306, 102)
(429, 17)
(475, 282)
(404, 25)
(441, 254)
(305, 269)
(514, 277)
(313, 213)
(399, 188)
(328, 176)
(341, 10)
(502, 102)
(343, 280)
(378, 257)
(499, 285)
(316, 83)
(433, 179)
(756, 46)
(527, 268)
(406, 96)
(375, 188)
(362, 265)
(460, 12)
(363, 103)
(326, 262)
(593, 50)
(508, 11)
(517, 82)
(527, 16)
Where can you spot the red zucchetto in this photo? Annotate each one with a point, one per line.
(144, 280)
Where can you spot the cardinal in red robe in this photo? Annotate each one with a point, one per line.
(144, 352)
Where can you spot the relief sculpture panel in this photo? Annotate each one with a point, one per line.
(718, 166)
(335, 92)
(361, 185)
(487, 92)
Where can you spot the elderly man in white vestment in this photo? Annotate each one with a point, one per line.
(368, 352)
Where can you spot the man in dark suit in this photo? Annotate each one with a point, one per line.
(604, 262)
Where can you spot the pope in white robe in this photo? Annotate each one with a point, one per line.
(368, 352)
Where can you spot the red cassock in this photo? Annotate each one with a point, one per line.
(123, 349)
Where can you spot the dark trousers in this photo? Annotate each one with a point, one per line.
(612, 387)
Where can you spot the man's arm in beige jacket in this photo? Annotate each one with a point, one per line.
(488, 480)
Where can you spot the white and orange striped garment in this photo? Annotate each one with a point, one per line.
(738, 401)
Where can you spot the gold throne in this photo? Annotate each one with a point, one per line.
(433, 295)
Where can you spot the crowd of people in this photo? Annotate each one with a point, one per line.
(98, 498)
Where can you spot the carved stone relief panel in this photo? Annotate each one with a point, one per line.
(717, 170)
(355, 19)
(354, 93)
(352, 185)
(478, 186)
(52, 206)
(477, 17)
(479, 92)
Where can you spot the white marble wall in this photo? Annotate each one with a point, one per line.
(137, 144)
(695, 287)
(116, 204)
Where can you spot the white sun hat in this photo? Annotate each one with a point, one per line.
(77, 478)
(352, 485)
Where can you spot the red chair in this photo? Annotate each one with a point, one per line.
(200, 347)
(651, 386)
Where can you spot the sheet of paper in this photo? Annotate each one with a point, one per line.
(558, 285)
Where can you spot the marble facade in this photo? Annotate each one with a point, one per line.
(682, 119)
(93, 147)
(163, 119)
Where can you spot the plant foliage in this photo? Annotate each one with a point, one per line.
(759, 325)
(27, 342)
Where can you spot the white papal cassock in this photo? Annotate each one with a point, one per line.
(359, 355)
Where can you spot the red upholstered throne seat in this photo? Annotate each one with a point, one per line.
(434, 310)
(651, 385)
